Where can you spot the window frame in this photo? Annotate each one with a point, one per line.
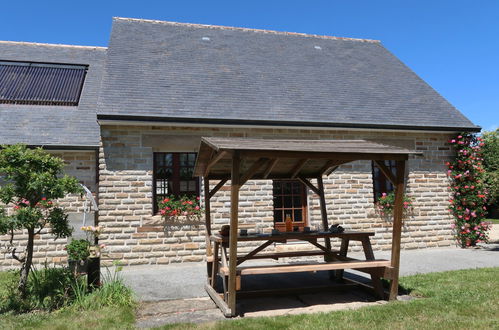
(380, 178)
(176, 178)
(304, 205)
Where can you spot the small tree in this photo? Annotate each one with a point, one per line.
(32, 180)
(491, 167)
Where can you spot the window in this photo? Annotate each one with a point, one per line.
(172, 175)
(290, 198)
(41, 83)
(380, 183)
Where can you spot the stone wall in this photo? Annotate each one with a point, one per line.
(135, 236)
(80, 164)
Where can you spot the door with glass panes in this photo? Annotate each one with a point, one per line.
(290, 199)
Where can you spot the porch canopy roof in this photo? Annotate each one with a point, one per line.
(243, 159)
(287, 159)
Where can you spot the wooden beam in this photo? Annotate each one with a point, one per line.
(343, 156)
(310, 185)
(252, 170)
(299, 165)
(270, 167)
(214, 160)
(234, 212)
(325, 224)
(207, 219)
(255, 251)
(330, 163)
(218, 300)
(217, 187)
(331, 170)
(398, 210)
(310, 267)
(386, 171)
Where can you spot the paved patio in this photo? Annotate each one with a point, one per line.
(175, 293)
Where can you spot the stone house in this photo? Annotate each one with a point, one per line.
(128, 119)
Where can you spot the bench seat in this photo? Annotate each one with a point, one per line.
(307, 267)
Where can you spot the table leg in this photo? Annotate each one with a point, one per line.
(214, 267)
(375, 278)
(338, 274)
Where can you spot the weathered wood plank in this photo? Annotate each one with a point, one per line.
(299, 165)
(309, 185)
(325, 223)
(397, 228)
(218, 301)
(255, 167)
(214, 160)
(309, 267)
(269, 168)
(217, 187)
(234, 220)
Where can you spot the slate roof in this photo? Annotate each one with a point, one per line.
(51, 126)
(187, 72)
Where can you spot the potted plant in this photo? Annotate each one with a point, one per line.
(78, 252)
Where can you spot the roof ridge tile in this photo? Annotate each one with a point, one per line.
(49, 45)
(222, 27)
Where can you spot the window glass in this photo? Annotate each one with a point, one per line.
(289, 198)
(380, 183)
(172, 175)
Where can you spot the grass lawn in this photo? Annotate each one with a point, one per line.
(494, 221)
(466, 299)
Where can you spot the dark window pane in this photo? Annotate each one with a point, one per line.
(277, 202)
(186, 172)
(297, 202)
(296, 188)
(286, 188)
(278, 216)
(277, 188)
(288, 202)
(298, 215)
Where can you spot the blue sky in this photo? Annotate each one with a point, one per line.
(453, 45)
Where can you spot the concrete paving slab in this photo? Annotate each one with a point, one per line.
(175, 293)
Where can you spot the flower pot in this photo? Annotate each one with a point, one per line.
(78, 266)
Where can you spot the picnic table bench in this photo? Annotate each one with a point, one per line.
(334, 260)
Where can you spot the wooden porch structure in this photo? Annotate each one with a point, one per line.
(242, 159)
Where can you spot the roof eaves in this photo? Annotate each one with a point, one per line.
(112, 117)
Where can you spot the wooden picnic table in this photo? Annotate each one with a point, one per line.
(335, 260)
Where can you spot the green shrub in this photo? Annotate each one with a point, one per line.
(78, 249)
(113, 292)
(47, 289)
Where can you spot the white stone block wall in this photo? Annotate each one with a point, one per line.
(135, 236)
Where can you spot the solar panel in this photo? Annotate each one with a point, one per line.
(41, 83)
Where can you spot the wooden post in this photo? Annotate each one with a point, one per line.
(397, 227)
(207, 223)
(234, 209)
(325, 223)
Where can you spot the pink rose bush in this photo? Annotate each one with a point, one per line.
(469, 195)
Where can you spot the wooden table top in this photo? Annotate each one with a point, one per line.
(283, 236)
